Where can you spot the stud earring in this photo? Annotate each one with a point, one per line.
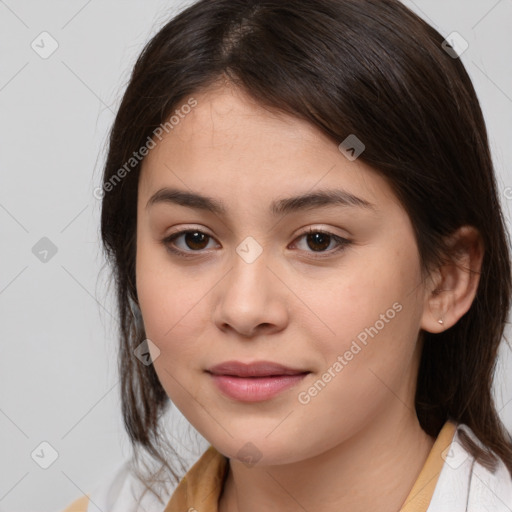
(440, 321)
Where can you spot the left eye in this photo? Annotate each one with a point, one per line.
(319, 241)
(195, 241)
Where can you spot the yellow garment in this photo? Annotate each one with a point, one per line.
(421, 493)
(80, 505)
(201, 487)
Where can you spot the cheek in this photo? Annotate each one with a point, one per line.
(370, 312)
(170, 303)
(367, 363)
(170, 313)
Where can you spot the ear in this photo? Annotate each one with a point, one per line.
(452, 286)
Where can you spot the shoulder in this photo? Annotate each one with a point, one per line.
(79, 505)
(104, 492)
(118, 492)
(465, 484)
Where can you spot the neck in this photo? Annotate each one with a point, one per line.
(377, 465)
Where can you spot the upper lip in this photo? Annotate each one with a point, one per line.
(255, 369)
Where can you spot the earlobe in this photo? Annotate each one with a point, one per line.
(455, 284)
(439, 303)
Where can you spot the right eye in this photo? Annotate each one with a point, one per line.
(194, 239)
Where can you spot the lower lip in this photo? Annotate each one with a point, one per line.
(255, 389)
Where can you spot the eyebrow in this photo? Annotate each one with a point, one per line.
(317, 199)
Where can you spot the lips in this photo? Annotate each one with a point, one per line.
(256, 369)
(254, 382)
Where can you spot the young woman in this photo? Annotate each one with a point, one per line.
(301, 213)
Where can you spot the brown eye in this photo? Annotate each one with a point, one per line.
(196, 240)
(318, 241)
(192, 243)
(189, 241)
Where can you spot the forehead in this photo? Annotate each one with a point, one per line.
(231, 147)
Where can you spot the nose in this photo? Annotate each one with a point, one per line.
(251, 299)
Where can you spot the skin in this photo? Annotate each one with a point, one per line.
(357, 442)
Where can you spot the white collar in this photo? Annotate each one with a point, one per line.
(465, 485)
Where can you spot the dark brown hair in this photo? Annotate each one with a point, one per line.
(370, 68)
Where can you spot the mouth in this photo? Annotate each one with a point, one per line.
(254, 382)
(256, 369)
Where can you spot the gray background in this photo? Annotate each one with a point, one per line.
(58, 377)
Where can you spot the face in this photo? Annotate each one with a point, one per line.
(330, 289)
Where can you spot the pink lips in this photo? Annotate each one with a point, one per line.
(254, 382)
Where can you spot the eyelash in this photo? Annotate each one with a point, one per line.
(342, 243)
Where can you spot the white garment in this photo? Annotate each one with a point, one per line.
(120, 493)
(464, 485)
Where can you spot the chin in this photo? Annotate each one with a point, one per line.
(258, 451)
